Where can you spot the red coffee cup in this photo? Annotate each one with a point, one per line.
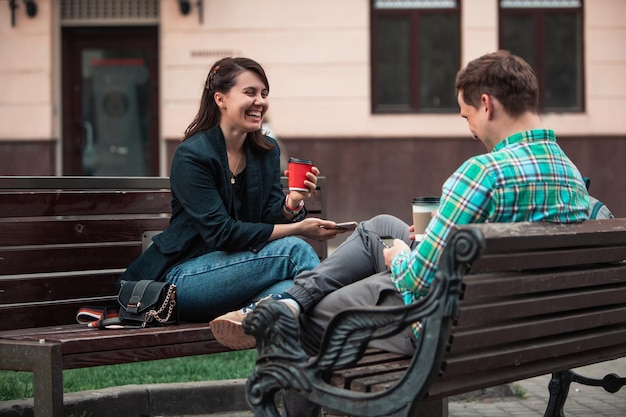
(297, 173)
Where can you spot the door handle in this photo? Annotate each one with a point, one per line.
(88, 135)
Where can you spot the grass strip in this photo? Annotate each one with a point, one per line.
(218, 366)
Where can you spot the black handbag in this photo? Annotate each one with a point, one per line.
(147, 303)
(143, 303)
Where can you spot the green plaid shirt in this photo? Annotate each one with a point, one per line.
(526, 177)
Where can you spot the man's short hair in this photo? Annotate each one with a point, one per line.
(504, 76)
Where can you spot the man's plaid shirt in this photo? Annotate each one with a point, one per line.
(526, 177)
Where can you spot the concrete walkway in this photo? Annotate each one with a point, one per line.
(582, 401)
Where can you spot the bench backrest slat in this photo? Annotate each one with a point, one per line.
(41, 231)
(83, 183)
(39, 288)
(77, 203)
(69, 259)
(532, 305)
(510, 237)
(500, 334)
(527, 351)
(549, 259)
(509, 283)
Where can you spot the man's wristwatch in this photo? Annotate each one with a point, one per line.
(293, 211)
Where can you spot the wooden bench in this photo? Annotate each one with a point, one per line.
(510, 302)
(64, 241)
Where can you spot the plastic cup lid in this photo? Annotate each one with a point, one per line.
(426, 200)
(301, 161)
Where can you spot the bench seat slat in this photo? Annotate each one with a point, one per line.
(91, 347)
(131, 354)
(375, 383)
(346, 378)
(77, 338)
(373, 356)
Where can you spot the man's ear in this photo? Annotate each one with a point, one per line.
(488, 104)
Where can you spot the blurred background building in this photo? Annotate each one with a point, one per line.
(364, 88)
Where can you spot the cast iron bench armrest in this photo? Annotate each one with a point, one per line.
(282, 362)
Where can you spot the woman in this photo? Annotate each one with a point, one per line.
(231, 239)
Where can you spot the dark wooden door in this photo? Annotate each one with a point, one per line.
(110, 101)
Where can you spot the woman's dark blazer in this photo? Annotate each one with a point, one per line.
(203, 218)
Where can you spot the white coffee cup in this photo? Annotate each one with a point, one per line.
(423, 209)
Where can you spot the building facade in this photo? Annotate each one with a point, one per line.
(364, 88)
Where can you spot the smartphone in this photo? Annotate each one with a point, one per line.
(347, 225)
(386, 241)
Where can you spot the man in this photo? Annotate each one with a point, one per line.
(525, 176)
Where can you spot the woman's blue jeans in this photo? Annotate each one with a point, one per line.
(218, 282)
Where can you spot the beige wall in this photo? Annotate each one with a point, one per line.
(317, 58)
(605, 66)
(26, 76)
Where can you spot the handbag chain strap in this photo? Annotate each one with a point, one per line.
(156, 313)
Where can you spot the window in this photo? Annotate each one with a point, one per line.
(415, 49)
(548, 35)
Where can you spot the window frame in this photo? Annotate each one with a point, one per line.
(539, 15)
(414, 17)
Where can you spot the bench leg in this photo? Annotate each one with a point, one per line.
(431, 408)
(558, 388)
(45, 361)
(560, 383)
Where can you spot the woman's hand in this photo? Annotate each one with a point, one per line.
(318, 229)
(398, 247)
(295, 197)
(312, 227)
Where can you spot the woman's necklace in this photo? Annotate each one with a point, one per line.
(233, 176)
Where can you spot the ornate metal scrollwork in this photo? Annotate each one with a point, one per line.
(283, 364)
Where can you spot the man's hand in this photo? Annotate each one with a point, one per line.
(398, 247)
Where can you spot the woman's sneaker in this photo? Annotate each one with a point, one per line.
(228, 330)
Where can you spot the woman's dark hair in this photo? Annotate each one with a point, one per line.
(222, 77)
(504, 76)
